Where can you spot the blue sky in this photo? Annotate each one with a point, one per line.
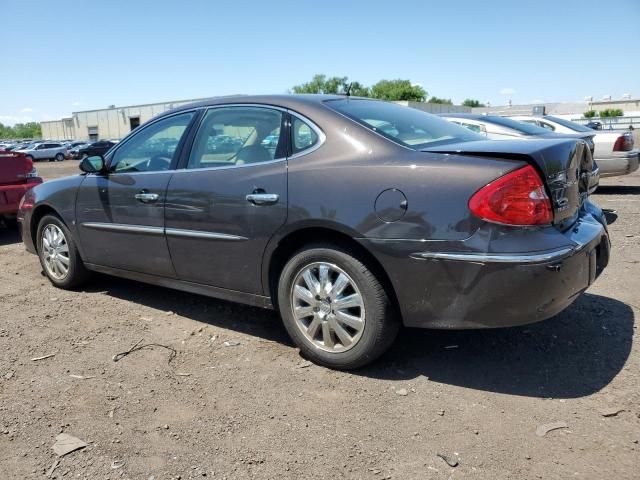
(70, 55)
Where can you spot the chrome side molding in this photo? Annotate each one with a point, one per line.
(541, 257)
(173, 232)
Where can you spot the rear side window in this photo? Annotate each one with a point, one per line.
(234, 136)
(407, 126)
(303, 136)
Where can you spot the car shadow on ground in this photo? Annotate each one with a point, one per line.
(618, 190)
(571, 355)
(8, 235)
(574, 354)
(258, 322)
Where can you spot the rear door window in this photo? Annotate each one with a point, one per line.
(303, 136)
(234, 136)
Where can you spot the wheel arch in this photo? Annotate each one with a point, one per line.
(293, 241)
(38, 213)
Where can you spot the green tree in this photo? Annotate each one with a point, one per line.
(394, 90)
(21, 130)
(589, 114)
(443, 101)
(332, 85)
(470, 102)
(611, 112)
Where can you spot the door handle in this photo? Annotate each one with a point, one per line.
(146, 197)
(263, 198)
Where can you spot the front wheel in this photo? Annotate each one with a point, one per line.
(59, 255)
(59, 157)
(335, 309)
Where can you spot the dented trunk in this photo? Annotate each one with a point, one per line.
(566, 166)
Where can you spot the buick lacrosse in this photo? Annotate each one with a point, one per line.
(349, 216)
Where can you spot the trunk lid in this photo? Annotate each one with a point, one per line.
(565, 165)
(15, 168)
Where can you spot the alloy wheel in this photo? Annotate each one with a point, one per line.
(328, 307)
(55, 252)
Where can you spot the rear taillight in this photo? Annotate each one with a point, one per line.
(624, 143)
(517, 198)
(27, 202)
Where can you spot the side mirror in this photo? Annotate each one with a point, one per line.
(93, 164)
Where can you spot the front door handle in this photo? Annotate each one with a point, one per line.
(263, 198)
(146, 197)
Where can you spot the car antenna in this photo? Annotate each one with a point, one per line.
(348, 91)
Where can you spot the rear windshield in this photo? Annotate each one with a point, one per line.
(523, 127)
(572, 125)
(407, 126)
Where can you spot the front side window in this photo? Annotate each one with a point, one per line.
(153, 148)
(233, 136)
(407, 126)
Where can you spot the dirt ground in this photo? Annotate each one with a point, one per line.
(253, 408)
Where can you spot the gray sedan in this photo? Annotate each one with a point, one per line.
(359, 217)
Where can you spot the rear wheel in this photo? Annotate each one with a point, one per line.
(58, 254)
(30, 157)
(334, 308)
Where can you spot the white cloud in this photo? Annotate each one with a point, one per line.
(77, 104)
(27, 110)
(507, 91)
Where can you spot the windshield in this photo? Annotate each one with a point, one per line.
(522, 127)
(566, 123)
(407, 126)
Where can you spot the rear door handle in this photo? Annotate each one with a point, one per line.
(263, 198)
(146, 197)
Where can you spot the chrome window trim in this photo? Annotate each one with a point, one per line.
(178, 232)
(541, 257)
(185, 170)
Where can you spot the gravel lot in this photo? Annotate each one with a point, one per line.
(256, 409)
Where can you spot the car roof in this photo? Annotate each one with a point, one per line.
(470, 116)
(292, 101)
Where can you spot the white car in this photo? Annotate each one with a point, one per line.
(46, 151)
(613, 152)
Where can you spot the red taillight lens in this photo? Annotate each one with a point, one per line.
(517, 198)
(624, 143)
(27, 202)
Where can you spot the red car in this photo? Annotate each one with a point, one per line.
(17, 175)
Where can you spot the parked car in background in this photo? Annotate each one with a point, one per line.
(613, 152)
(45, 151)
(495, 127)
(349, 230)
(17, 175)
(74, 152)
(96, 148)
(594, 125)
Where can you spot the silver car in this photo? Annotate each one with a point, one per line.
(46, 151)
(614, 150)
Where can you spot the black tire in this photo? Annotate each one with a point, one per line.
(30, 157)
(381, 322)
(59, 157)
(77, 274)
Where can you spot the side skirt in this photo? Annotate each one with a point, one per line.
(198, 288)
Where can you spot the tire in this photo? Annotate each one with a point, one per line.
(30, 157)
(59, 157)
(378, 322)
(76, 273)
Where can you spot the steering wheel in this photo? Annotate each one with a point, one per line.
(158, 163)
